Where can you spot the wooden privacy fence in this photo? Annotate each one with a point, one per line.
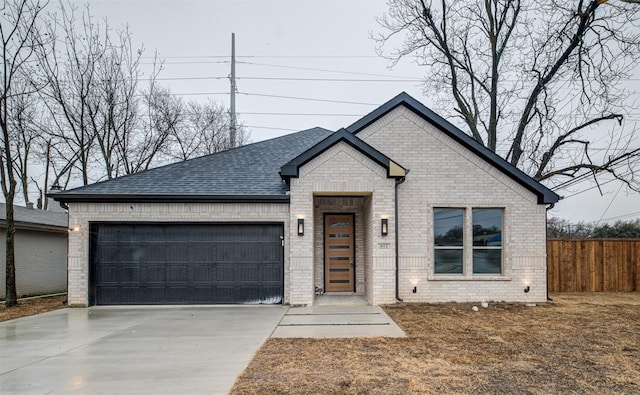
(593, 265)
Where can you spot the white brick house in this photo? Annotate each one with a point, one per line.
(400, 205)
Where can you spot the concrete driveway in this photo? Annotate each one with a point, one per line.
(133, 350)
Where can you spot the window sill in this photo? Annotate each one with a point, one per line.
(436, 277)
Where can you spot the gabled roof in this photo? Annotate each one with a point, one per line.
(252, 173)
(292, 168)
(31, 218)
(245, 174)
(545, 195)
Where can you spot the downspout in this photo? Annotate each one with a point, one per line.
(546, 246)
(398, 182)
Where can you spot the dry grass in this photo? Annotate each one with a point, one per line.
(33, 306)
(582, 343)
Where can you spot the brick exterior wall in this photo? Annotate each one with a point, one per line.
(445, 174)
(342, 170)
(442, 174)
(81, 214)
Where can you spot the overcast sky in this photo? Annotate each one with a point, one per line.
(300, 64)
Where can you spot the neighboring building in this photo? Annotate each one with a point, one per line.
(40, 250)
(401, 204)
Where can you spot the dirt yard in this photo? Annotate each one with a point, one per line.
(31, 306)
(582, 343)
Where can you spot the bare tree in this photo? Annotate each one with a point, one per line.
(71, 70)
(92, 95)
(114, 110)
(558, 227)
(23, 121)
(100, 123)
(205, 130)
(20, 38)
(148, 146)
(529, 80)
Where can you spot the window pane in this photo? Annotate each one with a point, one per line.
(487, 261)
(487, 227)
(447, 226)
(448, 261)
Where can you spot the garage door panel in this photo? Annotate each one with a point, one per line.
(225, 272)
(109, 294)
(249, 272)
(269, 274)
(200, 273)
(151, 253)
(154, 274)
(224, 294)
(176, 253)
(187, 263)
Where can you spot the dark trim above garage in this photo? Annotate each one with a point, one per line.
(130, 198)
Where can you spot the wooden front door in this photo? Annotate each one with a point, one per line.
(339, 253)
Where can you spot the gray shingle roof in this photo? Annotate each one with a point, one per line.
(250, 172)
(35, 217)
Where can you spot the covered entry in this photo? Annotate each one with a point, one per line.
(179, 263)
(339, 244)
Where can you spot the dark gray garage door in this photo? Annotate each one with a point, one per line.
(186, 263)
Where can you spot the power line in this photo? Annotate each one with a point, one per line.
(266, 56)
(186, 78)
(163, 63)
(280, 79)
(300, 114)
(306, 98)
(327, 79)
(325, 70)
(616, 164)
(596, 186)
(619, 216)
(191, 94)
(610, 203)
(271, 128)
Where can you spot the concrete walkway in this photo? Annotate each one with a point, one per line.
(126, 350)
(337, 321)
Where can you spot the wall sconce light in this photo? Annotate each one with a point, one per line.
(384, 226)
(527, 289)
(300, 226)
(415, 289)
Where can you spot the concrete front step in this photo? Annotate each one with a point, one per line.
(337, 322)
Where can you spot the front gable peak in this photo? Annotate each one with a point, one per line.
(544, 194)
(292, 168)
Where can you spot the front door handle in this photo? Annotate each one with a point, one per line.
(351, 264)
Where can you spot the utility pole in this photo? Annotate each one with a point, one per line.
(232, 131)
